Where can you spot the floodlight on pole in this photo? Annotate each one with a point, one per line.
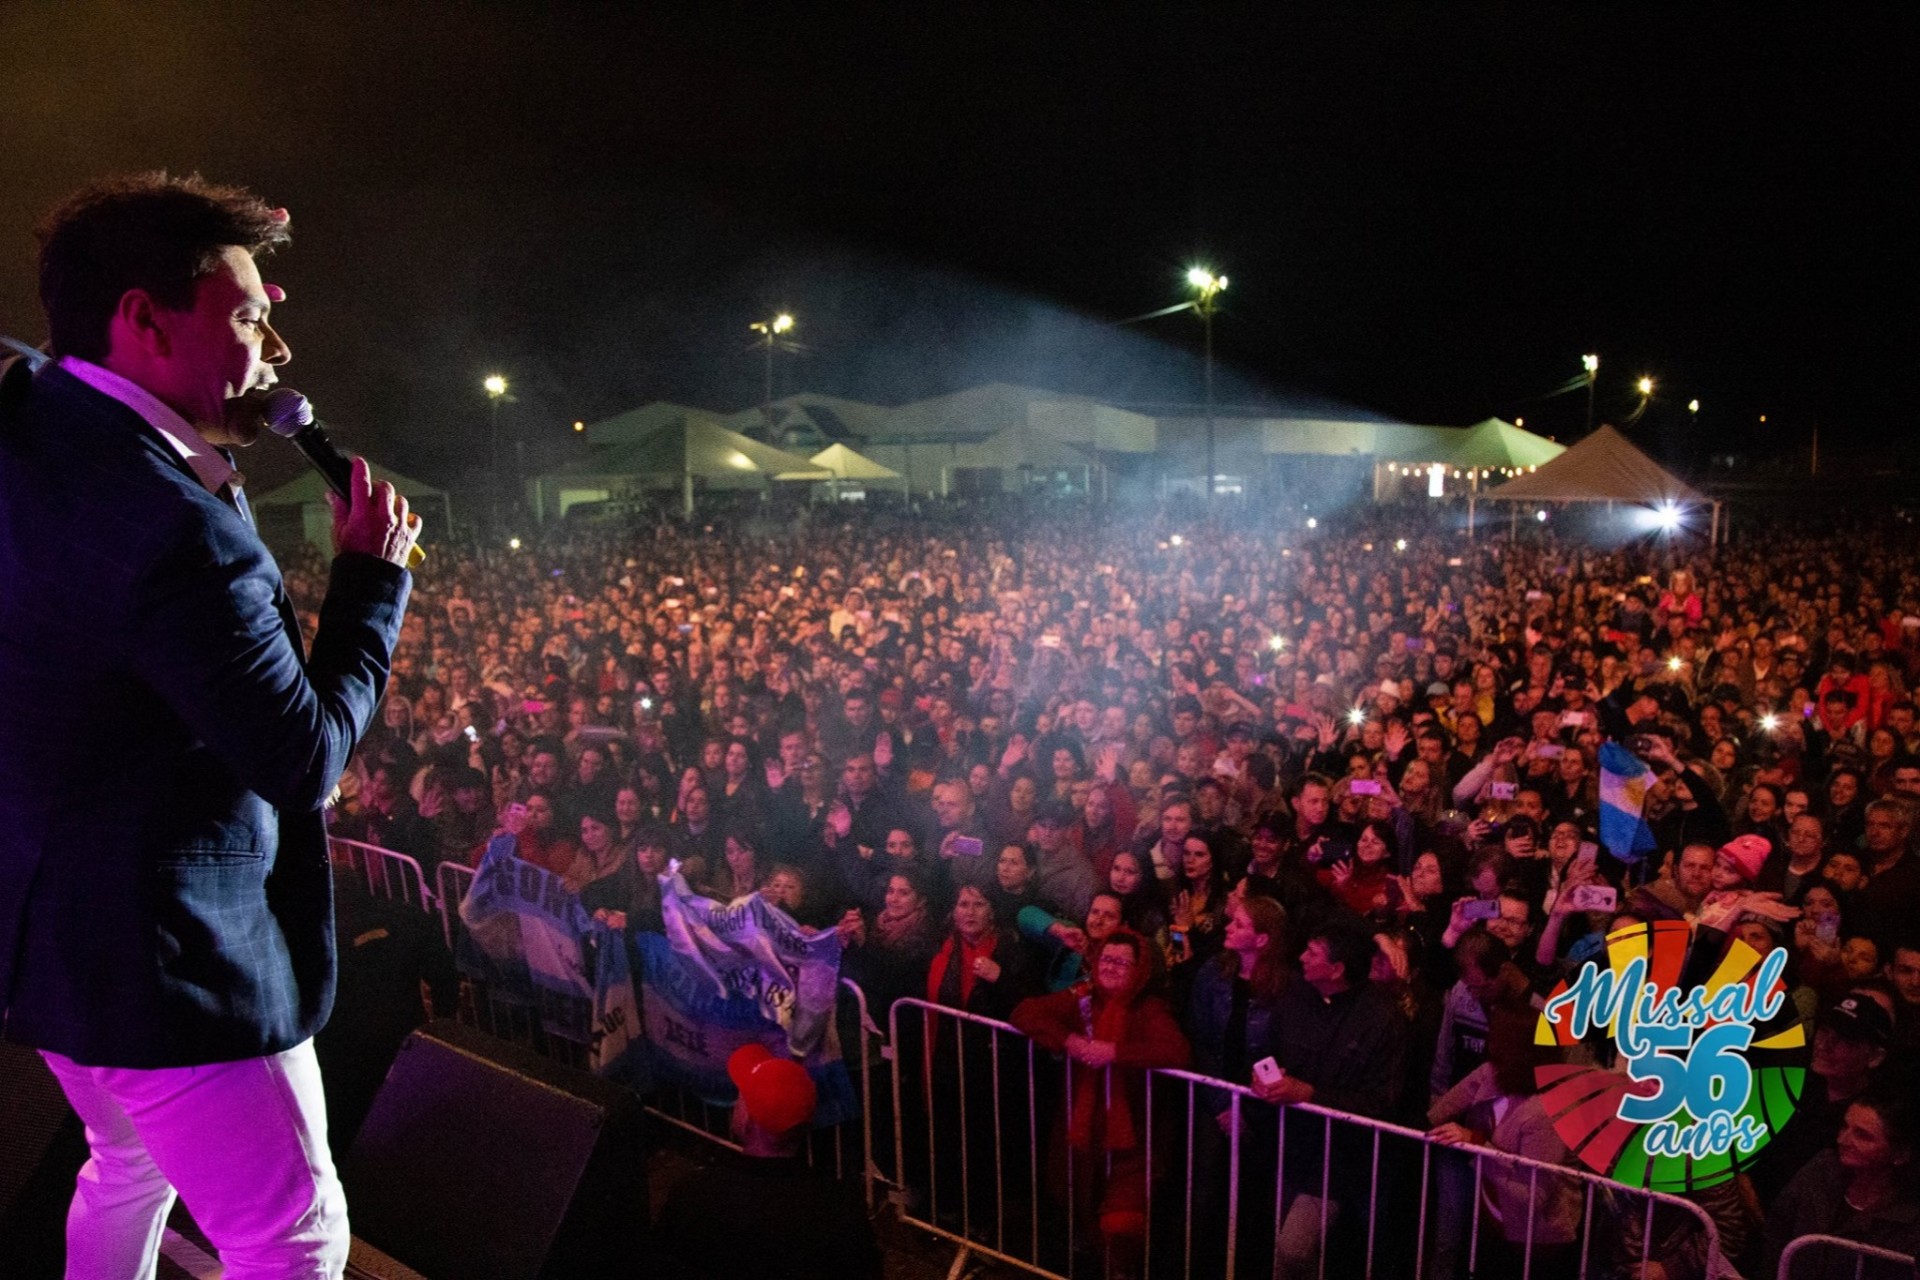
(496, 389)
(771, 331)
(1207, 288)
(1591, 363)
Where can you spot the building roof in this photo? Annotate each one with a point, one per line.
(700, 447)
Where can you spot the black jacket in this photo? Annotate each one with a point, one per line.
(165, 748)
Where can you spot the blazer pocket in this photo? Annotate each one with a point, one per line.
(208, 855)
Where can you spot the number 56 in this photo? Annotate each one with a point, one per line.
(1709, 1076)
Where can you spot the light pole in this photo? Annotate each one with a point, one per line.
(1207, 288)
(771, 331)
(1591, 363)
(496, 388)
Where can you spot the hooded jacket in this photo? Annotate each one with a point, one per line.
(1144, 1034)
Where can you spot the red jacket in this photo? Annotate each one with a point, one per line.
(1144, 1034)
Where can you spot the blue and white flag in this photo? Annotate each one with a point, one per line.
(726, 974)
(525, 930)
(1624, 782)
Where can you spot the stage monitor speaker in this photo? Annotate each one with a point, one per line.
(42, 1146)
(483, 1161)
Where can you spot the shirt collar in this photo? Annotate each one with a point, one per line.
(210, 465)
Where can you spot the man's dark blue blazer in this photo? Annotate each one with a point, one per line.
(165, 747)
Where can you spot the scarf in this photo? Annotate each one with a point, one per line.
(1106, 1016)
(896, 933)
(950, 978)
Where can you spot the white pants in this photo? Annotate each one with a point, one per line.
(246, 1144)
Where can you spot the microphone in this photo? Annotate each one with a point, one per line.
(289, 415)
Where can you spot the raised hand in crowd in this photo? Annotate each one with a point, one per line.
(852, 928)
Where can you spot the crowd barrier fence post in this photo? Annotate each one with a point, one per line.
(389, 873)
(1897, 1263)
(451, 882)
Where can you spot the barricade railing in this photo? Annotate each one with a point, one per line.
(554, 1026)
(1290, 1191)
(557, 1029)
(1823, 1257)
(451, 880)
(389, 873)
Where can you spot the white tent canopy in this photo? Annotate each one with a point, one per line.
(687, 448)
(845, 464)
(1604, 467)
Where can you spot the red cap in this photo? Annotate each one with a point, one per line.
(778, 1093)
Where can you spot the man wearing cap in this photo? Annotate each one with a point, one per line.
(762, 1213)
(1386, 698)
(1064, 876)
(1849, 1046)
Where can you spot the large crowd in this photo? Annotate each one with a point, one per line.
(1169, 791)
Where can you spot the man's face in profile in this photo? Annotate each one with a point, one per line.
(222, 348)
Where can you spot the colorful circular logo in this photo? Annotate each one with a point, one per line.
(1709, 1058)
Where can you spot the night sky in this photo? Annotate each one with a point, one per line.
(1427, 212)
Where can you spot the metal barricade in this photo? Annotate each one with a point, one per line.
(1821, 1257)
(920, 1077)
(843, 1147)
(389, 873)
(1236, 1187)
(539, 1023)
(553, 1026)
(451, 882)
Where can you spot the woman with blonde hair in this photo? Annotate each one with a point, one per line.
(1680, 599)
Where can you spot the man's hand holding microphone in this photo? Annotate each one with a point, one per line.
(374, 520)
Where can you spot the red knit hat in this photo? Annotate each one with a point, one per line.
(778, 1093)
(1748, 854)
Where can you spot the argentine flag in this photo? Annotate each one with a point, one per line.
(1624, 780)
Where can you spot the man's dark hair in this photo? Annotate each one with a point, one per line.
(1349, 944)
(1481, 951)
(150, 231)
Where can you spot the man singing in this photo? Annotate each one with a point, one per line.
(166, 912)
